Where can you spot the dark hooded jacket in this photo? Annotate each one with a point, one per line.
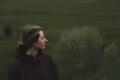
(24, 67)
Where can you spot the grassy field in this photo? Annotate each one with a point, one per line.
(55, 16)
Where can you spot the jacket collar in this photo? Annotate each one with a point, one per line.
(21, 55)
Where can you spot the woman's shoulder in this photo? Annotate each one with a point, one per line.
(16, 62)
(46, 56)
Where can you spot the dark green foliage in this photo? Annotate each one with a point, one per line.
(81, 53)
(56, 16)
(111, 53)
(110, 72)
(7, 31)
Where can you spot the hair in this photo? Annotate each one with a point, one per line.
(30, 36)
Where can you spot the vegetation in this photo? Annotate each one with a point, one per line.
(82, 54)
(55, 16)
(7, 31)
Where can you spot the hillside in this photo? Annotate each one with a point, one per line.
(55, 16)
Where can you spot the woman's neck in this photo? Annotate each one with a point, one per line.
(33, 51)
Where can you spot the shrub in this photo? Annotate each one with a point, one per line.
(79, 53)
(111, 53)
(7, 31)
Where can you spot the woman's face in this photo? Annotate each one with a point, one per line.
(41, 43)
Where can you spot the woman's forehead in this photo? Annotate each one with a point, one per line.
(41, 33)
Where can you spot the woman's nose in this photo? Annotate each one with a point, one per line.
(46, 40)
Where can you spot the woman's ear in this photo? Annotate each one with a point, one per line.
(35, 45)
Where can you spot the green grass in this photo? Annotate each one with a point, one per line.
(55, 16)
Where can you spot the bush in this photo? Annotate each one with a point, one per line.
(81, 53)
(111, 53)
(7, 31)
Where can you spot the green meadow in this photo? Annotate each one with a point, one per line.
(55, 16)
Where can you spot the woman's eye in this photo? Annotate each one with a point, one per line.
(42, 37)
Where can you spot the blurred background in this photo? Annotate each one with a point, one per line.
(92, 28)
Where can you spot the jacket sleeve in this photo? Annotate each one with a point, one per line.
(12, 72)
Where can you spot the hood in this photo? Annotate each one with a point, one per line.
(21, 55)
